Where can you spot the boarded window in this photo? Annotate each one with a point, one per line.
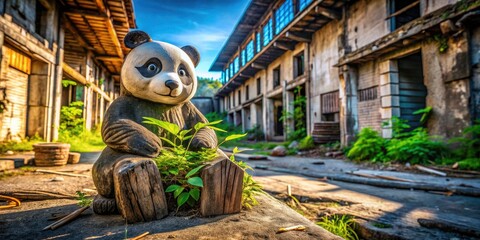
(330, 102)
(283, 16)
(41, 19)
(18, 61)
(368, 94)
(243, 58)
(276, 77)
(298, 65)
(247, 92)
(259, 86)
(267, 33)
(239, 97)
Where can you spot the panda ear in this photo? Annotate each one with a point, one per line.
(136, 38)
(192, 53)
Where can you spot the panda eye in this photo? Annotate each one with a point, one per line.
(150, 68)
(182, 72)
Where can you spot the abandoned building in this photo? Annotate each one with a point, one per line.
(357, 64)
(57, 52)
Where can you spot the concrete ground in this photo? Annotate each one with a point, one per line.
(372, 205)
(383, 213)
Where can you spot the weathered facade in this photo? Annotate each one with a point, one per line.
(359, 63)
(45, 42)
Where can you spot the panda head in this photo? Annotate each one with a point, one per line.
(158, 71)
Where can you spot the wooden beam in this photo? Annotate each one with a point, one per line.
(109, 58)
(257, 66)
(86, 12)
(284, 46)
(403, 9)
(73, 30)
(111, 29)
(245, 75)
(297, 37)
(327, 12)
(81, 79)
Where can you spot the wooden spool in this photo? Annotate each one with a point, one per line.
(73, 158)
(222, 188)
(139, 192)
(51, 154)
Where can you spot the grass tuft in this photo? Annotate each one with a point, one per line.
(339, 225)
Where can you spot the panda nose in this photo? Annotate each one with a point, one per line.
(171, 84)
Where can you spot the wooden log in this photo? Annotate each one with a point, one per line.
(428, 170)
(139, 192)
(450, 226)
(222, 190)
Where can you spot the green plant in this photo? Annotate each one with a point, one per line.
(71, 120)
(298, 116)
(306, 143)
(442, 42)
(179, 165)
(369, 146)
(416, 148)
(250, 187)
(342, 226)
(255, 133)
(426, 113)
(67, 82)
(83, 200)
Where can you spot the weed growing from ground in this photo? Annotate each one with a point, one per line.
(342, 226)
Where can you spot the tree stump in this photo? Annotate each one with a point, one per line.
(222, 188)
(139, 192)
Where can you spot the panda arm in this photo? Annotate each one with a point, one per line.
(206, 137)
(123, 134)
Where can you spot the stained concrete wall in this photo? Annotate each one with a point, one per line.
(366, 22)
(324, 54)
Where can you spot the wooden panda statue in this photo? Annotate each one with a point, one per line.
(158, 80)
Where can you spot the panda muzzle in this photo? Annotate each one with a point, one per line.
(171, 84)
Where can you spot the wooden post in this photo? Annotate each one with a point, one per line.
(222, 190)
(139, 192)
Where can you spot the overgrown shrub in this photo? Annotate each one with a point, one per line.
(180, 167)
(255, 133)
(369, 146)
(306, 143)
(71, 119)
(418, 147)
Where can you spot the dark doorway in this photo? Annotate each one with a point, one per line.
(412, 89)
(278, 124)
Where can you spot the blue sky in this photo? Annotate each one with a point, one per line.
(204, 24)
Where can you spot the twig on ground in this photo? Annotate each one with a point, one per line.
(36, 195)
(429, 170)
(292, 228)
(61, 173)
(140, 236)
(66, 219)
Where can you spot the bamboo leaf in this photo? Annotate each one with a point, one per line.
(172, 188)
(193, 171)
(199, 126)
(235, 136)
(195, 181)
(168, 141)
(195, 193)
(168, 126)
(182, 199)
(216, 129)
(178, 191)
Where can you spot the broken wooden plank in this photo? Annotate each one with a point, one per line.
(449, 226)
(292, 228)
(429, 170)
(139, 192)
(140, 236)
(222, 188)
